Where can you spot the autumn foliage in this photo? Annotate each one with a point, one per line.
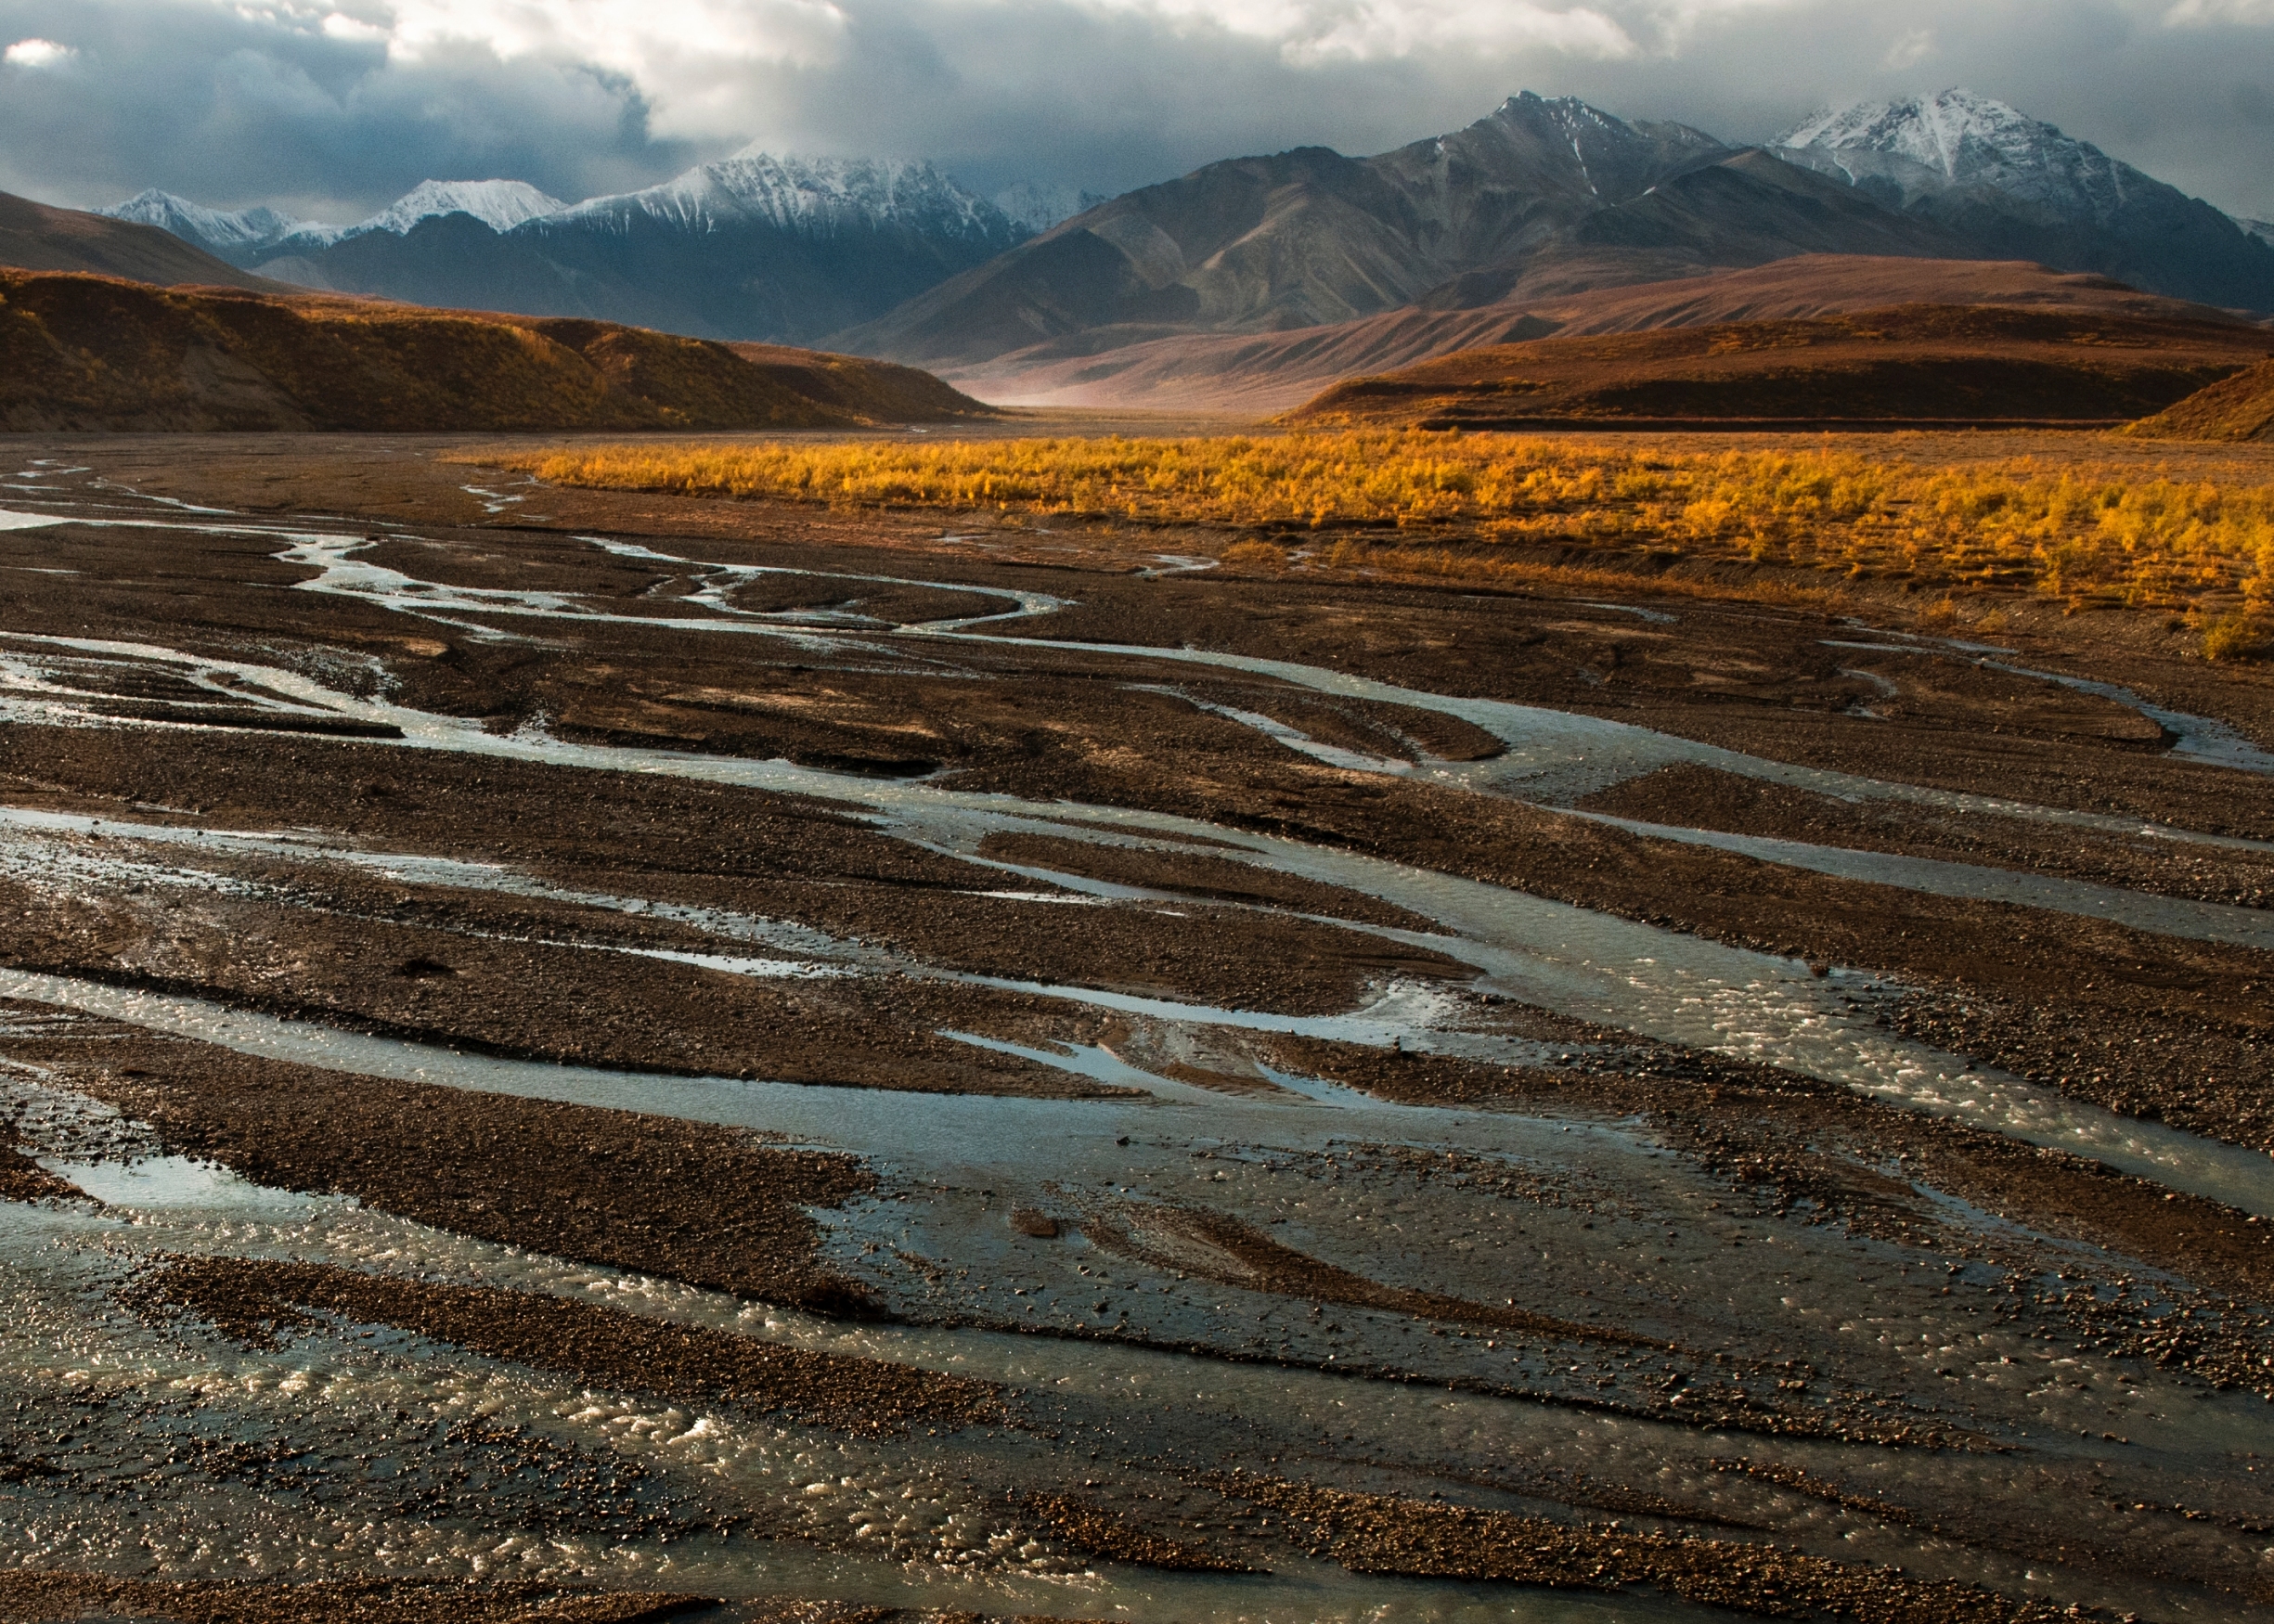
(2081, 534)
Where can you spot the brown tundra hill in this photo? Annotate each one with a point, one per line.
(1909, 365)
(82, 352)
(2236, 408)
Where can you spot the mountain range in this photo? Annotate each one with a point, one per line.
(752, 247)
(35, 237)
(1544, 200)
(1538, 202)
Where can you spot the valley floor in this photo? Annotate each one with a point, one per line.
(586, 1055)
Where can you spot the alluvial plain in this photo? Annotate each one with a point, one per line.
(613, 1053)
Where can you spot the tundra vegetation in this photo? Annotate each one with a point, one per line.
(2078, 532)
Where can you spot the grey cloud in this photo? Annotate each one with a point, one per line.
(228, 111)
(231, 110)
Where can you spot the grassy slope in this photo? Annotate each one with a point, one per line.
(82, 352)
(2237, 408)
(1279, 372)
(881, 390)
(1917, 362)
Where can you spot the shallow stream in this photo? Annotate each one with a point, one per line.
(1643, 1276)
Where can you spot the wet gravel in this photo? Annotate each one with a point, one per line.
(709, 1206)
(1234, 1244)
(258, 1301)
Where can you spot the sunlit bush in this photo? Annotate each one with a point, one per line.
(2081, 535)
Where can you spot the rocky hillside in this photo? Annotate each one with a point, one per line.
(1547, 199)
(1542, 197)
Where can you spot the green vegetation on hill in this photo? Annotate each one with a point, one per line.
(93, 352)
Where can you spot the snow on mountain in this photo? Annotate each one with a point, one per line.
(229, 234)
(1035, 206)
(1958, 139)
(2012, 186)
(817, 194)
(2261, 229)
(499, 204)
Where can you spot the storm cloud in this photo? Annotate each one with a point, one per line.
(331, 109)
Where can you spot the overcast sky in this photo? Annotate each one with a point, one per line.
(333, 110)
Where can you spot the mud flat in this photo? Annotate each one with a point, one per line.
(584, 1056)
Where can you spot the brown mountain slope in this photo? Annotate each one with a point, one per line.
(878, 391)
(80, 352)
(1911, 364)
(35, 237)
(2236, 408)
(1273, 372)
(1541, 195)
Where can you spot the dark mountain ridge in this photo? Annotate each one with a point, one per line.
(1546, 199)
(1552, 196)
(756, 282)
(754, 247)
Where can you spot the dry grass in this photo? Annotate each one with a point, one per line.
(2084, 534)
(2236, 409)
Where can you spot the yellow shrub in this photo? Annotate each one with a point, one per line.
(1257, 554)
(2085, 536)
(2234, 636)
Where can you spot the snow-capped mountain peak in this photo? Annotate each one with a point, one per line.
(1955, 132)
(798, 193)
(499, 204)
(224, 232)
(1956, 138)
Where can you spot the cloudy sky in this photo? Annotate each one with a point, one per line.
(332, 107)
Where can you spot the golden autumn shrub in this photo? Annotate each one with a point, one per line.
(2081, 535)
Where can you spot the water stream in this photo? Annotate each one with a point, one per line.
(898, 1523)
(1657, 983)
